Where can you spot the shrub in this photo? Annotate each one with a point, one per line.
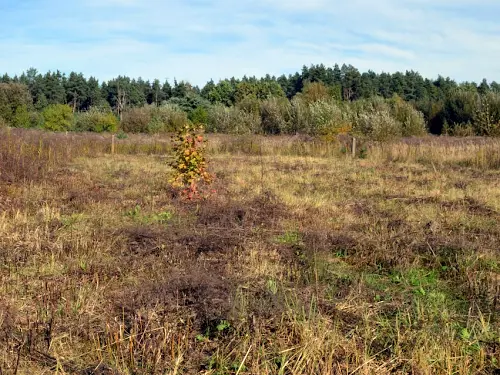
(412, 121)
(22, 118)
(275, 115)
(167, 118)
(493, 100)
(152, 119)
(190, 102)
(249, 104)
(315, 91)
(486, 117)
(58, 117)
(96, 120)
(462, 130)
(301, 121)
(329, 118)
(459, 106)
(232, 120)
(12, 97)
(373, 104)
(36, 119)
(379, 125)
(199, 116)
(136, 120)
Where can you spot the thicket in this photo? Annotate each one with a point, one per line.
(317, 101)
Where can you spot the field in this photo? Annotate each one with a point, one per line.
(304, 261)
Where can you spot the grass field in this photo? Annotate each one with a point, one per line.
(305, 261)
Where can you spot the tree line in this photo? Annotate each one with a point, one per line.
(316, 100)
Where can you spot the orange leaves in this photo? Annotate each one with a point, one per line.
(190, 166)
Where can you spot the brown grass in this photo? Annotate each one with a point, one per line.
(305, 262)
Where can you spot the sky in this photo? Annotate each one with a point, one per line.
(198, 40)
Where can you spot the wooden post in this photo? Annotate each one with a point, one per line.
(353, 147)
(112, 144)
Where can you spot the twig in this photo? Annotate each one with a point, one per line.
(244, 359)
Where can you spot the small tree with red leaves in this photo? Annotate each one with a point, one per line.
(190, 166)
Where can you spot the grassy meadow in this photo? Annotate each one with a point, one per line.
(305, 261)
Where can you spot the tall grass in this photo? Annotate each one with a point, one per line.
(483, 153)
(30, 154)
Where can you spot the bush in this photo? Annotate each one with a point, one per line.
(460, 105)
(301, 121)
(12, 97)
(370, 105)
(58, 117)
(379, 125)
(136, 120)
(22, 118)
(189, 103)
(199, 116)
(96, 120)
(487, 116)
(167, 118)
(461, 130)
(36, 119)
(249, 104)
(151, 119)
(329, 118)
(275, 115)
(232, 120)
(412, 121)
(493, 100)
(315, 91)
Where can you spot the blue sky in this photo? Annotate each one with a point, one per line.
(196, 40)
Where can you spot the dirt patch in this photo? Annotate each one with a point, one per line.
(264, 210)
(330, 242)
(197, 292)
(142, 240)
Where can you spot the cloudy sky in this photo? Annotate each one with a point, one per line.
(196, 40)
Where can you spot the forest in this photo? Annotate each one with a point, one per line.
(318, 100)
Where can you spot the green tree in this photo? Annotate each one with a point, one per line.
(199, 115)
(94, 94)
(156, 96)
(205, 91)
(276, 115)
(460, 106)
(76, 91)
(223, 93)
(96, 120)
(166, 90)
(58, 117)
(351, 80)
(53, 88)
(315, 91)
(483, 87)
(368, 84)
(117, 93)
(22, 118)
(12, 97)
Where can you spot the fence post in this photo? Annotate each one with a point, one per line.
(353, 147)
(112, 144)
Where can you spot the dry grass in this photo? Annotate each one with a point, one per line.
(305, 262)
